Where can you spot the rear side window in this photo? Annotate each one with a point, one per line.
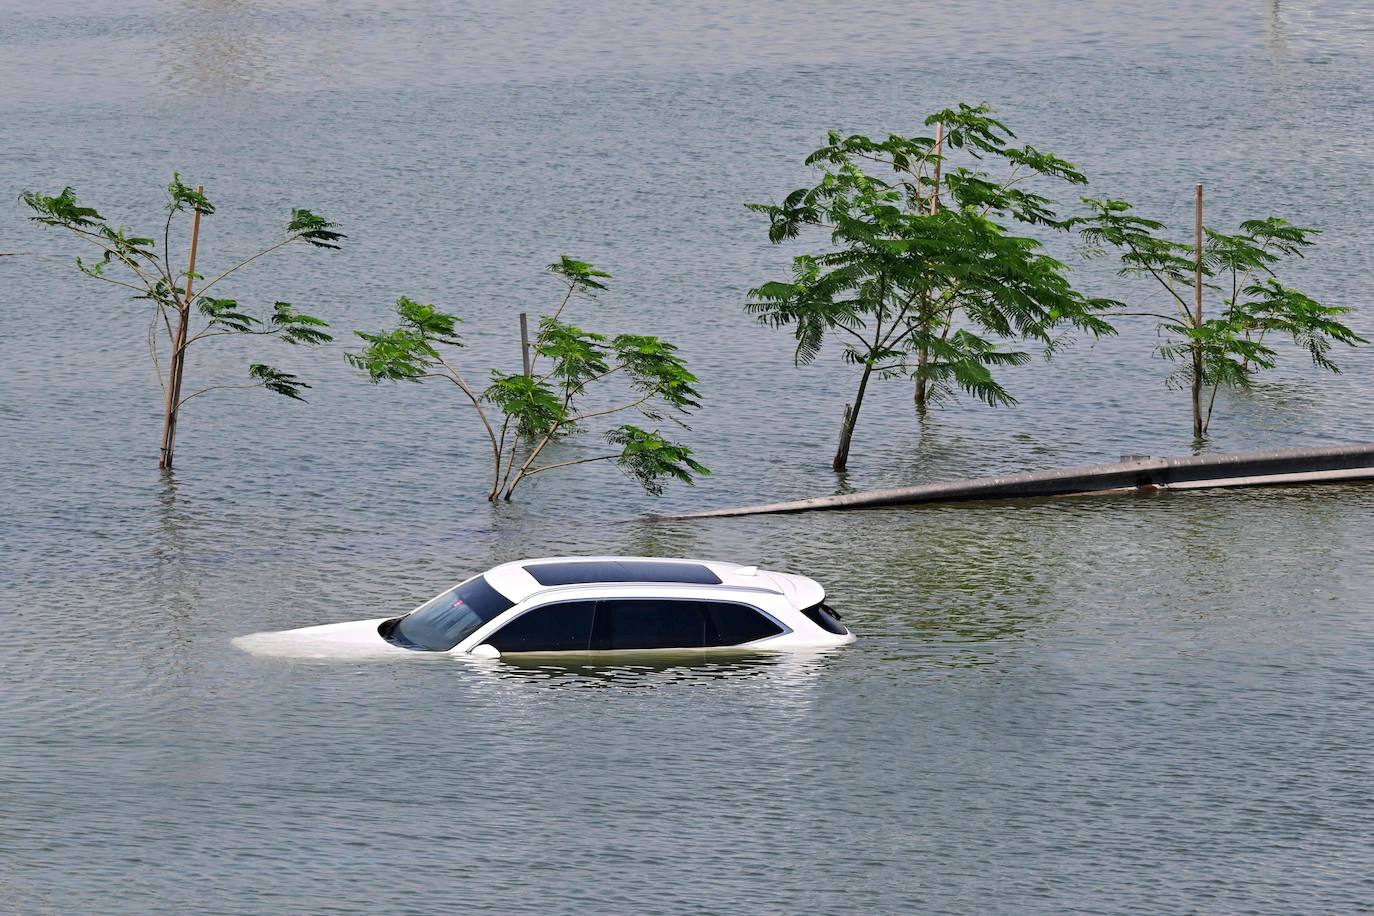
(564, 627)
(649, 624)
(826, 617)
(732, 624)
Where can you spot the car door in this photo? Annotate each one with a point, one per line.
(563, 626)
(649, 623)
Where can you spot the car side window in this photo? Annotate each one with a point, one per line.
(729, 624)
(561, 627)
(656, 623)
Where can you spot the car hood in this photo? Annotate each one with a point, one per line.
(354, 639)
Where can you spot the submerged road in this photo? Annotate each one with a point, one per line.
(1239, 469)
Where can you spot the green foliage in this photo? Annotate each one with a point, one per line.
(965, 361)
(298, 328)
(313, 230)
(117, 244)
(1113, 225)
(650, 459)
(224, 315)
(1231, 347)
(547, 406)
(1313, 327)
(135, 263)
(924, 277)
(578, 356)
(62, 210)
(393, 356)
(409, 351)
(580, 275)
(277, 381)
(654, 365)
(531, 404)
(181, 196)
(429, 322)
(289, 325)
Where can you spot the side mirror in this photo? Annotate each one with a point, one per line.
(485, 650)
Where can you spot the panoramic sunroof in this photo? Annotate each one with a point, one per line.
(586, 571)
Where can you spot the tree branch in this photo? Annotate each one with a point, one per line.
(166, 266)
(1181, 304)
(141, 290)
(1145, 315)
(562, 464)
(167, 321)
(245, 262)
(602, 413)
(853, 333)
(534, 347)
(500, 458)
(100, 242)
(457, 378)
(548, 437)
(582, 386)
(152, 350)
(208, 331)
(216, 388)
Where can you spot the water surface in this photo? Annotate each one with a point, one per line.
(1152, 704)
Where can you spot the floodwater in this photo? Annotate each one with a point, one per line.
(1152, 704)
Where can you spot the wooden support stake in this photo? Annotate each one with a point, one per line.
(525, 343)
(939, 145)
(1197, 258)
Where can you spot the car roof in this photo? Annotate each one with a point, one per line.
(523, 579)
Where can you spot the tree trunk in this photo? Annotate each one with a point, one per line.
(923, 354)
(1198, 430)
(174, 373)
(500, 463)
(841, 462)
(922, 395)
(177, 364)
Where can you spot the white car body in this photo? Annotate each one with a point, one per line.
(788, 607)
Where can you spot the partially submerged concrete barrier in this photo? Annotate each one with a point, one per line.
(1241, 469)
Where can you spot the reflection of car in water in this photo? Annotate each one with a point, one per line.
(598, 604)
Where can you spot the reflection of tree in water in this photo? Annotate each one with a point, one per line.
(216, 50)
(943, 575)
(1225, 554)
(943, 584)
(910, 582)
(172, 587)
(670, 539)
(1275, 38)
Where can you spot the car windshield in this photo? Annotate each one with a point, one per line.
(441, 624)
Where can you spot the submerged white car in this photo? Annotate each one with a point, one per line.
(582, 604)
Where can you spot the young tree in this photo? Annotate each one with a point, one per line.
(924, 278)
(1255, 307)
(536, 410)
(135, 263)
